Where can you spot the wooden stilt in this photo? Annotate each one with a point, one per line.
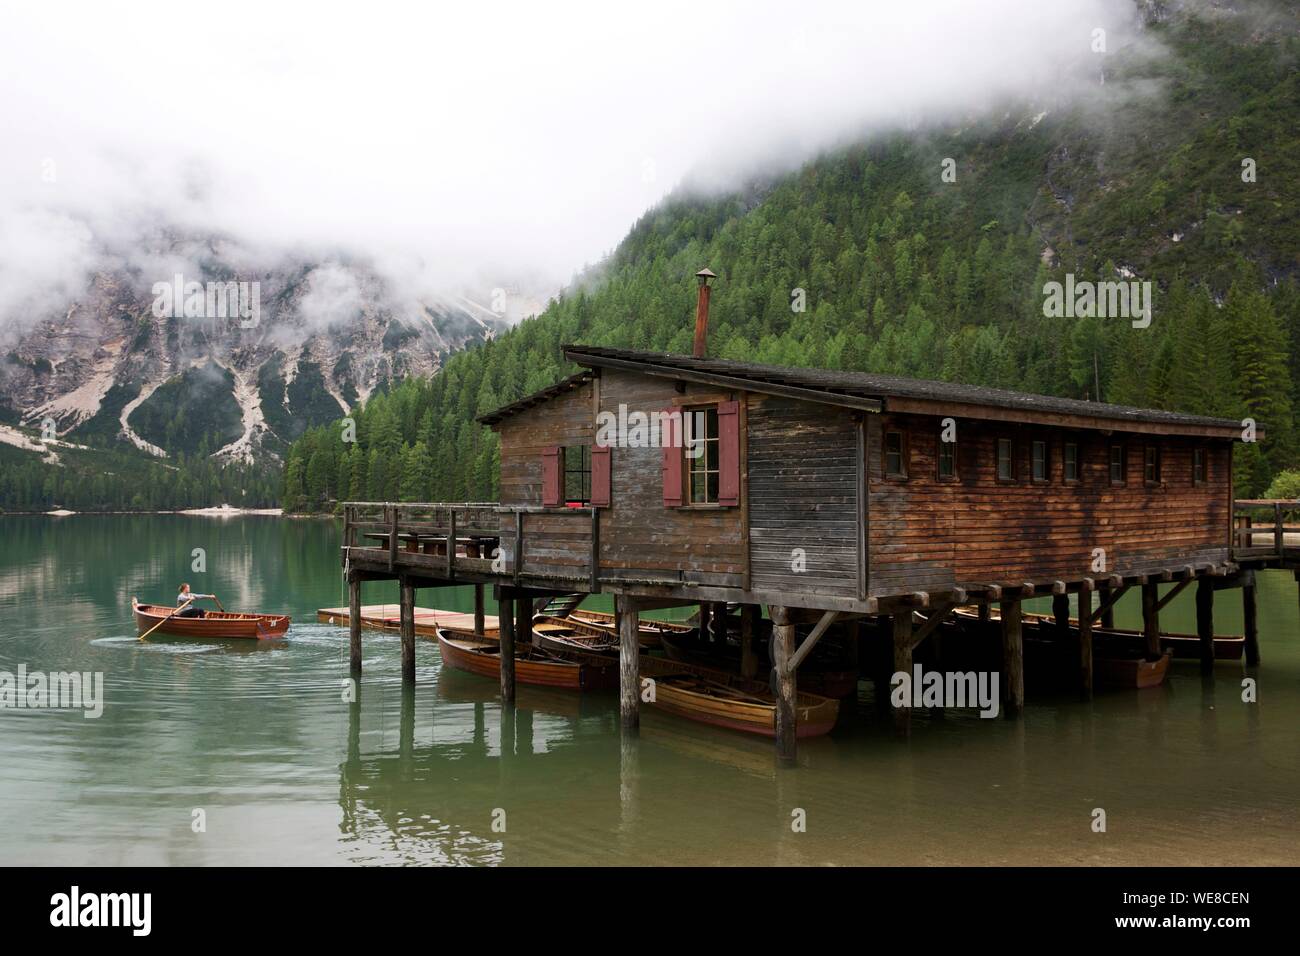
(1061, 612)
(1085, 644)
(748, 654)
(354, 624)
(406, 606)
(629, 666)
(1151, 618)
(506, 628)
(787, 729)
(1250, 617)
(1108, 615)
(1205, 622)
(705, 631)
(1013, 659)
(718, 622)
(903, 665)
(984, 614)
(524, 621)
(478, 609)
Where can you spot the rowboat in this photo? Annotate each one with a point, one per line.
(572, 643)
(649, 631)
(726, 700)
(213, 624)
(813, 676)
(1114, 663)
(466, 651)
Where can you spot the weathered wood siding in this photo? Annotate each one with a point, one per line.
(640, 538)
(803, 494)
(927, 533)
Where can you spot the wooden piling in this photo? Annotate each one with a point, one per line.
(506, 629)
(1061, 612)
(748, 654)
(629, 667)
(406, 604)
(1205, 622)
(1108, 615)
(704, 621)
(1085, 644)
(1013, 659)
(903, 665)
(524, 621)
(354, 623)
(1151, 618)
(1250, 617)
(787, 728)
(478, 609)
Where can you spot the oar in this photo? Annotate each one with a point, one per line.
(218, 603)
(164, 620)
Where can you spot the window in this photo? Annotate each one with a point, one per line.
(577, 475)
(1070, 461)
(1006, 467)
(895, 465)
(702, 455)
(947, 459)
(1117, 464)
(1038, 452)
(1198, 466)
(1151, 465)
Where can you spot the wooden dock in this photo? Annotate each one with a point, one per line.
(387, 617)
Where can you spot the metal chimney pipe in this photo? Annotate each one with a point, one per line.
(702, 313)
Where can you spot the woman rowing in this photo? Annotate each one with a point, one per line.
(185, 596)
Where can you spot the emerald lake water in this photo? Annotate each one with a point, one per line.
(258, 737)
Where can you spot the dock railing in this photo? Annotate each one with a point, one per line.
(1260, 526)
(480, 537)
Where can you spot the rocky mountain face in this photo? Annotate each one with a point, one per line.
(202, 352)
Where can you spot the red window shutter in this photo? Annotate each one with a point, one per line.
(671, 440)
(728, 453)
(600, 476)
(551, 476)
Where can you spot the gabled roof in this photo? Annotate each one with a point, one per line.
(867, 391)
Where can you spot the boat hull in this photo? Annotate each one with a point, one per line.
(824, 682)
(213, 624)
(473, 655)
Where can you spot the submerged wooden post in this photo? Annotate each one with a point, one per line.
(629, 666)
(524, 621)
(1205, 622)
(748, 656)
(478, 610)
(787, 726)
(1013, 659)
(1085, 644)
(1151, 618)
(1250, 617)
(406, 604)
(506, 628)
(354, 623)
(903, 665)
(1061, 611)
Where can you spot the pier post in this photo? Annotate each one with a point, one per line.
(478, 610)
(629, 666)
(704, 621)
(524, 620)
(1108, 615)
(506, 626)
(1205, 622)
(748, 656)
(1061, 611)
(1250, 617)
(787, 728)
(1085, 643)
(406, 602)
(902, 665)
(1013, 659)
(1151, 618)
(354, 623)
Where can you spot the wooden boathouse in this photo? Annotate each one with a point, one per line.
(827, 497)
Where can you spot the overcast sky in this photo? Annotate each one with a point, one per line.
(469, 137)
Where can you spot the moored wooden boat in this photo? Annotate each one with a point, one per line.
(465, 651)
(724, 700)
(213, 624)
(649, 630)
(1130, 671)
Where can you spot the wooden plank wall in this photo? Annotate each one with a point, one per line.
(927, 533)
(639, 537)
(803, 480)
